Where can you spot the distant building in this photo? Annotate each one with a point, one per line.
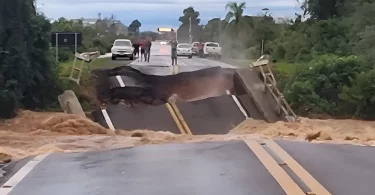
(86, 21)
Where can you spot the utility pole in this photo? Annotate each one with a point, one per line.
(190, 37)
(262, 44)
(220, 29)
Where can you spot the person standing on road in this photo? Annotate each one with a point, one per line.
(136, 48)
(200, 49)
(174, 52)
(148, 49)
(143, 49)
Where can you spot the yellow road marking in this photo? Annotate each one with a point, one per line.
(182, 120)
(305, 176)
(175, 118)
(284, 180)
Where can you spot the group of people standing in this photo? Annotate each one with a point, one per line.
(145, 46)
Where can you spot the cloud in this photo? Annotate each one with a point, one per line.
(156, 12)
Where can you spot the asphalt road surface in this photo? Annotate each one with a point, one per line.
(207, 168)
(161, 63)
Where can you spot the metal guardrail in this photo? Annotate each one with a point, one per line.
(269, 82)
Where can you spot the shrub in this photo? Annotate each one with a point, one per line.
(320, 86)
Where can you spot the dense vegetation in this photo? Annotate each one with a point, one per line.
(325, 62)
(329, 56)
(27, 76)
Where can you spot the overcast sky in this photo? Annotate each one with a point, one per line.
(158, 13)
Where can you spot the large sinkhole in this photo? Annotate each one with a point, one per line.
(132, 86)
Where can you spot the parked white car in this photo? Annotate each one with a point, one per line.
(184, 49)
(212, 49)
(122, 48)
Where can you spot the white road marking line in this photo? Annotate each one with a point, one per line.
(108, 120)
(175, 69)
(238, 103)
(21, 174)
(182, 63)
(120, 81)
(172, 69)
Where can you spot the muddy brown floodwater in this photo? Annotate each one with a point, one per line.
(41, 132)
(196, 85)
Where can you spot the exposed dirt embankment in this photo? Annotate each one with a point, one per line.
(35, 133)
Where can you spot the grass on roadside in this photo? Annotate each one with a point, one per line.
(86, 90)
(285, 68)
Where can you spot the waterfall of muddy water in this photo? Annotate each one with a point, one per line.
(197, 85)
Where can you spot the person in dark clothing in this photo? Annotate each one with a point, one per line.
(136, 49)
(174, 52)
(148, 50)
(143, 49)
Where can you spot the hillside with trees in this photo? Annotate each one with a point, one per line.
(27, 74)
(324, 59)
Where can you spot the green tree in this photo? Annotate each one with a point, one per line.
(214, 29)
(322, 9)
(196, 29)
(27, 76)
(235, 12)
(134, 27)
(238, 29)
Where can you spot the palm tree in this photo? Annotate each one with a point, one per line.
(235, 13)
(239, 27)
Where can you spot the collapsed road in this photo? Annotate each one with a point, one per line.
(210, 101)
(210, 97)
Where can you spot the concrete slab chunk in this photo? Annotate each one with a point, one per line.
(157, 118)
(217, 115)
